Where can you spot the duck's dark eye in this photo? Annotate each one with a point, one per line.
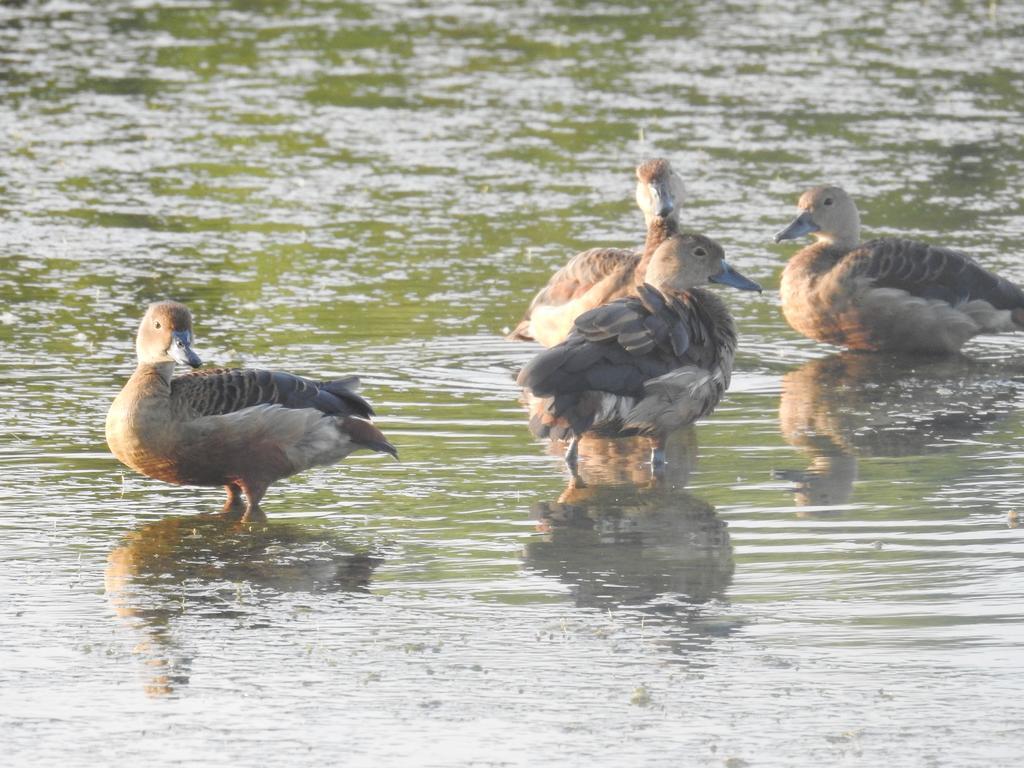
(156, 323)
(828, 201)
(699, 252)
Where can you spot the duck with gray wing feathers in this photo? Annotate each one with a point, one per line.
(889, 294)
(600, 275)
(646, 364)
(240, 428)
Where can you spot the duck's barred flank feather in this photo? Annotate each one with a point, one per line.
(932, 272)
(219, 391)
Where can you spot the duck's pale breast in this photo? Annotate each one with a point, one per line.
(550, 324)
(549, 314)
(590, 278)
(807, 306)
(142, 435)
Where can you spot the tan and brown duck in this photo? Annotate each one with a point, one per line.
(240, 428)
(646, 364)
(599, 275)
(889, 294)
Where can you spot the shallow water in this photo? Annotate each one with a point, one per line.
(829, 575)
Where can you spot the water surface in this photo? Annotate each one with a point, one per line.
(830, 574)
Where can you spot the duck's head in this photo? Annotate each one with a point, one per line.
(659, 190)
(687, 261)
(165, 335)
(828, 214)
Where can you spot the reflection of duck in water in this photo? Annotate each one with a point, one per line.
(613, 462)
(852, 405)
(656, 548)
(206, 566)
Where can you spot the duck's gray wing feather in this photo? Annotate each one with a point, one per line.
(615, 348)
(219, 391)
(931, 272)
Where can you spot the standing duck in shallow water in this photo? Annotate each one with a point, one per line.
(243, 429)
(599, 275)
(646, 364)
(887, 294)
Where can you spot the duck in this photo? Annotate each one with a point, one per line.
(645, 364)
(236, 427)
(889, 294)
(596, 276)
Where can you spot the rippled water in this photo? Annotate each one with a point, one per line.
(831, 573)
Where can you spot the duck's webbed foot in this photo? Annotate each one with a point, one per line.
(253, 494)
(254, 514)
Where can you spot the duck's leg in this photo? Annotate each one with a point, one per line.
(572, 454)
(657, 458)
(254, 491)
(233, 504)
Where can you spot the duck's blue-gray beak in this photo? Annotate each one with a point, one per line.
(800, 226)
(729, 276)
(662, 202)
(181, 349)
